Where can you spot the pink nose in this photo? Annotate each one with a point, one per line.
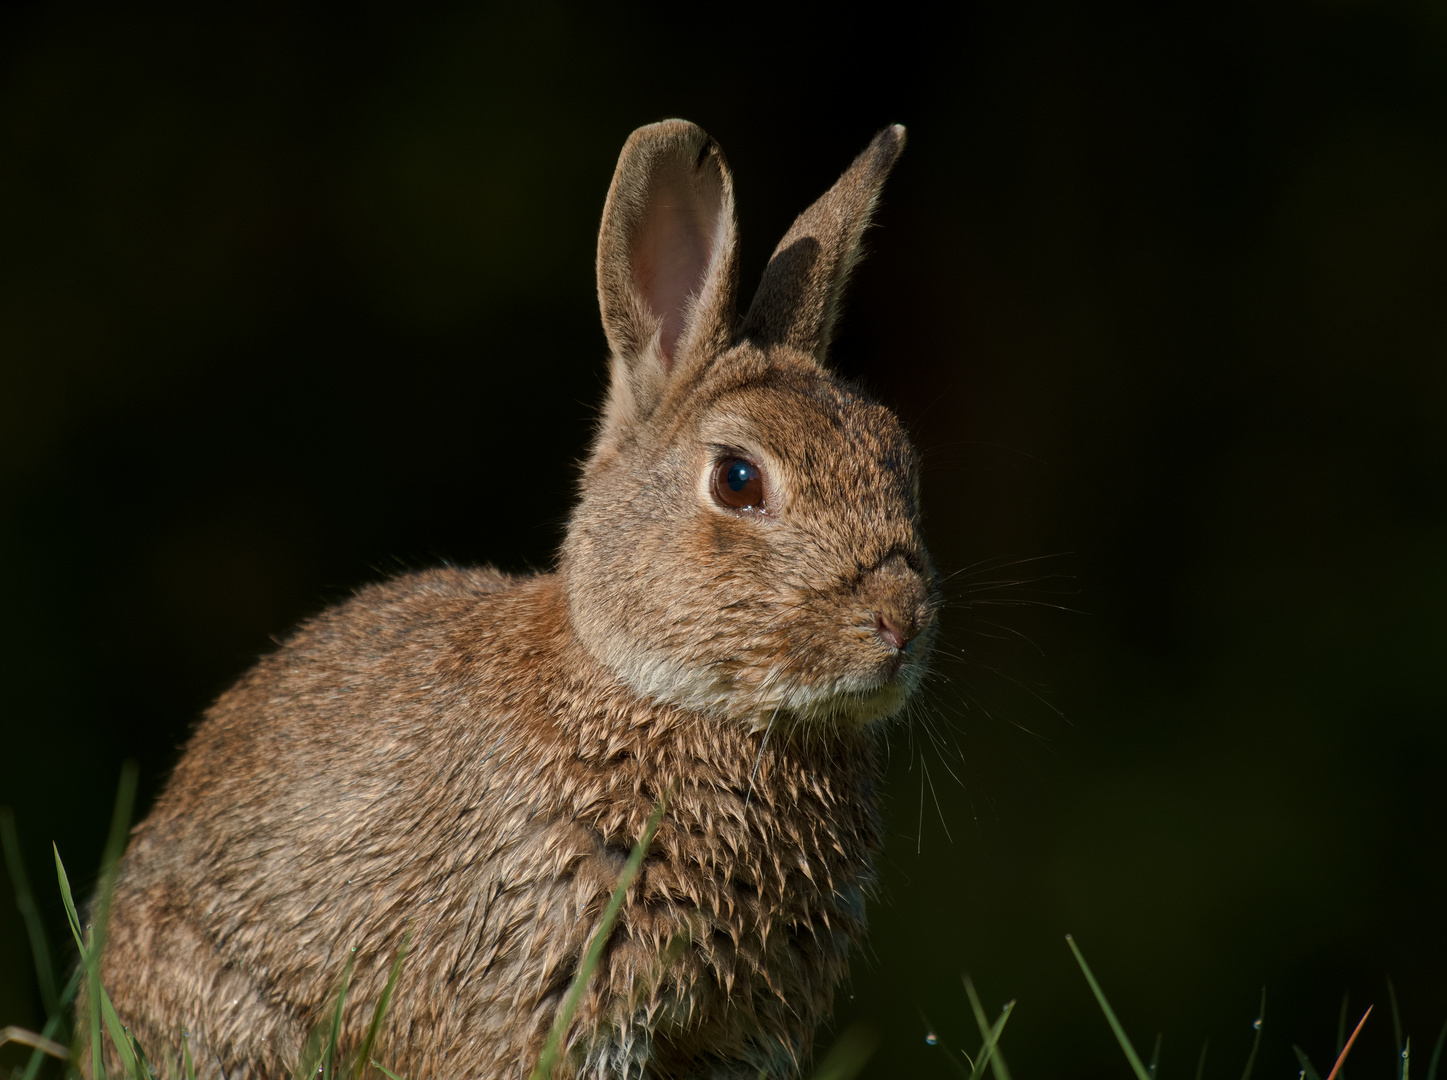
(891, 633)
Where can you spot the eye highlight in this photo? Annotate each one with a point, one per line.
(738, 484)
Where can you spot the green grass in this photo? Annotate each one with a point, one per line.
(1144, 1073)
(322, 1057)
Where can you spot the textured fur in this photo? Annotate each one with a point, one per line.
(472, 755)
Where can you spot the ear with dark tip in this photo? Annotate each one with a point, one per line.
(667, 260)
(798, 300)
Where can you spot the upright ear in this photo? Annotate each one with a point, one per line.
(798, 299)
(667, 262)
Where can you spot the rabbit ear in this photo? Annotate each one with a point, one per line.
(667, 261)
(798, 299)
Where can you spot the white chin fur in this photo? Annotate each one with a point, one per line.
(849, 703)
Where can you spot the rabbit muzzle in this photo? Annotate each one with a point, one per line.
(898, 596)
(869, 648)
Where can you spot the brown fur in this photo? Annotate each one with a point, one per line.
(472, 755)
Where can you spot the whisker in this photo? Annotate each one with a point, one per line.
(1010, 631)
(924, 766)
(1001, 562)
(758, 758)
(919, 831)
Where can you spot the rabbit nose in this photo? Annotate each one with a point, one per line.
(893, 635)
(894, 594)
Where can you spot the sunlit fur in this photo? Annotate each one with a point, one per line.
(470, 756)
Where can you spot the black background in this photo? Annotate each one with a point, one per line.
(293, 298)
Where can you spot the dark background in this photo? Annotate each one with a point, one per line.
(291, 299)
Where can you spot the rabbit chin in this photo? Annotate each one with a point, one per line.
(848, 703)
(845, 707)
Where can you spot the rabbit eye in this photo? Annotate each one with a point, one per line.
(738, 484)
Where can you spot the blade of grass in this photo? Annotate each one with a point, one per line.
(145, 1071)
(1335, 1073)
(309, 1061)
(990, 1054)
(330, 1058)
(1201, 1061)
(52, 1026)
(1120, 1035)
(1256, 1042)
(29, 912)
(933, 1039)
(1436, 1055)
(1341, 1028)
(849, 1054)
(1406, 1057)
(380, 1012)
(98, 1003)
(93, 1005)
(91, 951)
(319, 1048)
(990, 1049)
(543, 1070)
(118, 1034)
(1155, 1056)
(186, 1056)
(67, 899)
(1307, 1069)
(100, 918)
(389, 1073)
(35, 1040)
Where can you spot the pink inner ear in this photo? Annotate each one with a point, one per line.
(672, 251)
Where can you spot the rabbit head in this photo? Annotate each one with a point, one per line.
(747, 540)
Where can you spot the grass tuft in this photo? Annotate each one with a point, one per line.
(989, 1049)
(92, 943)
(364, 1056)
(319, 1052)
(320, 1057)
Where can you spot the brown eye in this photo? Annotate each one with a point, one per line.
(738, 484)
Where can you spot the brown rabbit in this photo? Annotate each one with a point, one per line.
(742, 596)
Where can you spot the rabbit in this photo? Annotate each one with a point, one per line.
(742, 599)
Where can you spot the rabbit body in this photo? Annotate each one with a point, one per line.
(472, 755)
